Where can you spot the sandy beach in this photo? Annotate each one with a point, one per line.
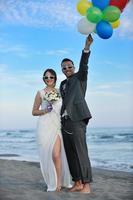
(23, 180)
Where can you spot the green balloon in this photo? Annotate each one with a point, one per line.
(111, 13)
(94, 14)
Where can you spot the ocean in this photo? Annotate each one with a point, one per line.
(109, 148)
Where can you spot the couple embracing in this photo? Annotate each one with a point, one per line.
(61, 128)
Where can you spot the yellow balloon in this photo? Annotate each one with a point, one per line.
(115, 24)
(82, 6)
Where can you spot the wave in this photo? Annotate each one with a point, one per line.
(17, 140)
(106, 137)
(109, 147)
(26, 131)
(9, 155)
(119, 137)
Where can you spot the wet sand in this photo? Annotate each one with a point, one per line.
(21, 180)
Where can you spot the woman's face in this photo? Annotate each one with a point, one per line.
(49, 79)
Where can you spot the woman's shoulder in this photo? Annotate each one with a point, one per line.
(41, 92)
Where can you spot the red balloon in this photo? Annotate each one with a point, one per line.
(119, 3)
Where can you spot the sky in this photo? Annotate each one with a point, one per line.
(38, 34)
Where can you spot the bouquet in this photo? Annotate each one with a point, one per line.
(52, 96)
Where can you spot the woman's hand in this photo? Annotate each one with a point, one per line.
(49, 108)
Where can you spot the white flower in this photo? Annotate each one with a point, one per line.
(52, 96)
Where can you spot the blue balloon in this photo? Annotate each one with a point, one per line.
(104, 29)
(101, 3)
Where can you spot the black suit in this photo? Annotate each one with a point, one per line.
(74, 127)
(74, 99)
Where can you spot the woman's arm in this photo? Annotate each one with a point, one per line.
(36, 106)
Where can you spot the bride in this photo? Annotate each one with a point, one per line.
(53, 160)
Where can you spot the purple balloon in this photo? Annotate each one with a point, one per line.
(101, 3)
(104, 30)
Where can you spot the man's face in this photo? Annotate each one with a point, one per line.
(67, 68)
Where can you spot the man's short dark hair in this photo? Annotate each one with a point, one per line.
(67, 59)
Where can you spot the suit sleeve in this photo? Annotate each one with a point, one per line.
(83, 67)
(60, 88)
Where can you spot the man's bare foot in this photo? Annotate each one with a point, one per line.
(76, 187)
(86, 189)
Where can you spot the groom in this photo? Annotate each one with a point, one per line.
(75, 116)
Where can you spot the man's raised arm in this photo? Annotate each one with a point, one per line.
(83, 67)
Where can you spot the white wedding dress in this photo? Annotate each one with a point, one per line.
(48, 128)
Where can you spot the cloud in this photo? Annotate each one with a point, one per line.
(111, 103)
(25, 51)
(8, 47)
(3, 67)
(114, 65)
(57, 52)
(126, 29)
(18, 50)
(31, 79)
(107, 102)
(112, 89)
(51, 14)
(18, 79)
(38, 13)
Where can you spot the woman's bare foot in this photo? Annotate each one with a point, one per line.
(58, 189)
(86, 189)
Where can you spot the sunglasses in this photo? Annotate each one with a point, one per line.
(67, 67)
(49, 77)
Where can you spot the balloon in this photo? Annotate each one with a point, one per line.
(94, 14)
(121, 4)
(115, 24)
(82, 6)
(111, 13)
(104, 29)
(85, 27)
(100, 3)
